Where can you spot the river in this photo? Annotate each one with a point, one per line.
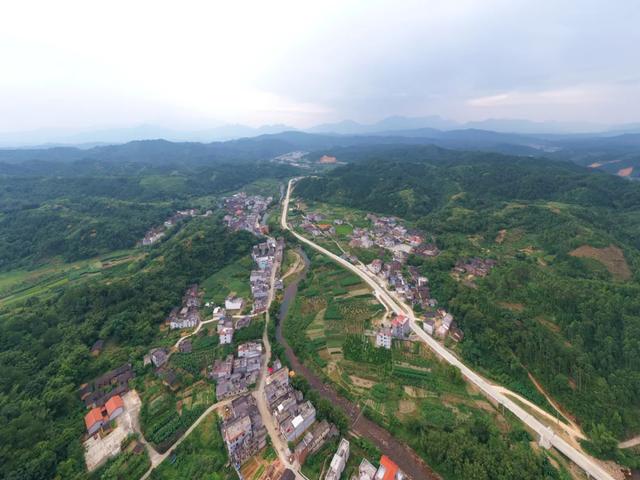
(408, 460)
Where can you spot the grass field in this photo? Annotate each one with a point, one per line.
(231, 279)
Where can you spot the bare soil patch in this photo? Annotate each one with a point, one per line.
(415, 392)
(327, 159)
(625, 172)
(611, 257)
(514, 307)
(361, 382)
(406, 407)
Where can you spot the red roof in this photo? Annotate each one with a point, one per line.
(94, 416)
(113, 404)
(390, 468)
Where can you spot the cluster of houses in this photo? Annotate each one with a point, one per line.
(399, 328)
(388, 233)
(292, 414)
(339, 461)
(474, 267)
(243, 430)
(295, 158)
(234, 376)
(267, 255)
(103, 397)
(441, 324)
(159, 358)
(314, 224)
(411, 286)
(188, 315)
(228, 324)
(388, 470)
(156, 233)
(245, 212)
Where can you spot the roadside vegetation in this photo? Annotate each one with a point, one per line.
(406, 389)
(201, 456)
(552, 310)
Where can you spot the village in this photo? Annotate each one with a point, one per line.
(394, 243)
(245, 212)
(209, 333)
(156, 233)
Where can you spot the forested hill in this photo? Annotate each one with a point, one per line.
(45, 345)
(77, 211)
(563, 304)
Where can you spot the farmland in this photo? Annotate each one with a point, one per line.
(201, 456)
(19, 285)
(406, 389)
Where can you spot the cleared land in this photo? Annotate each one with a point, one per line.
(611, 257)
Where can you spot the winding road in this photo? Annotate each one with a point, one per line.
(547, 437)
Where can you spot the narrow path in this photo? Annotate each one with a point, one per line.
(547, 436)
(159, 458)
(632, 442)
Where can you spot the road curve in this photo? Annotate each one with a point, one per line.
(585, 462)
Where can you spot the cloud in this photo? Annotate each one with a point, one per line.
(78, 63)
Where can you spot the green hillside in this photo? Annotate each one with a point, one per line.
(563, 303)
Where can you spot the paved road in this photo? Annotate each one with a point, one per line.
(548, 437)
(402, 454)
(280, 446)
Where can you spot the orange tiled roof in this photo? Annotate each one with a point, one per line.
(390, 468)
(94, 416)
(113, 404)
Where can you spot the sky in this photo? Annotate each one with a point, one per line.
(197, 64)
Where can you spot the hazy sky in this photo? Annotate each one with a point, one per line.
(185, 64)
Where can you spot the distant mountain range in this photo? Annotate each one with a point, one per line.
(612, 153)
(428, 126)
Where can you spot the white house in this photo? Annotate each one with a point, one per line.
(233, 303)
(338, 461)
(226, 335)
(383, 338)
(428, 326)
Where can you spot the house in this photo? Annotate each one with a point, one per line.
(428, 326)
(94, 420)
(293, 427)
(233, 303)
(98, 391)
(388, 470)
(366, 471)
(114, 407)
(400, 326)
(339, 460)
(226, 335)
(170, 379)
(185, 346)
(221, 368)
(375, 266)
(250, 350)
(383, 338)
(243, 322)
(158, 357)
(318, 435)
(243, 431)
(455, 333)
(97, 347)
